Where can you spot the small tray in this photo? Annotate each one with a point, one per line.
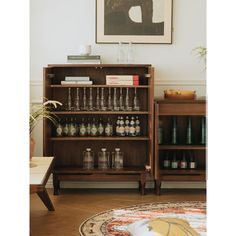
(179, 94)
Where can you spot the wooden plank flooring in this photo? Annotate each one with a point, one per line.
(72, 207)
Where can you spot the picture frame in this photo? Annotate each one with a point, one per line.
(143, 22)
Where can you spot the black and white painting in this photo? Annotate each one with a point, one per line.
(138, 21)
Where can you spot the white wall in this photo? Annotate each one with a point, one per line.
(57, 27)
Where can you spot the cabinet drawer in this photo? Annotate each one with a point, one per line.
(182, 109)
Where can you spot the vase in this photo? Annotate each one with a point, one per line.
(32, 147)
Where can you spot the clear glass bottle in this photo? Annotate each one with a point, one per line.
(82, 128)
(69, 100)
(72, 129)
(100, 127)
(120, 53)
(88, 159)
(136, 103)
(59, 129)
(77, 100)
(109, 101)
(97, 106)
(132, 127)
(117, 159)
(85, 106)
(137, 127)
(103, 100)
(94, 128)
(88, 127)
(121, 101)
(189, 131)
(122, 127)
(118, 126)
(103, 159)
(66, 128)
(90, 102)
(115, 101)
(108, 128)
(130, 53)
(128, 107)
(127, 126)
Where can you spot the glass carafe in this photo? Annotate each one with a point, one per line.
(136, 104)
(88, 159)
(69, 101)
(77, 100)
(117, 159)
(103, 159)
(85, 106)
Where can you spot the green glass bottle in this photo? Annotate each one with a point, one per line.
(174, 131)
(189, 131)
(203, 131)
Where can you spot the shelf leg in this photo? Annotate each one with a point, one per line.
(56, 184)
(142, 183)
(158, 187)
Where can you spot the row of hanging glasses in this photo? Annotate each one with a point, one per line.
(116, 99)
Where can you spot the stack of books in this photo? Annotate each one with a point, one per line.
(74, 80)
(89, 59)
(122, 80)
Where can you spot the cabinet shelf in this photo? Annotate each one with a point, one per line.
(101, 138)
(101, 112)
(97, 86)
(182, 147)
(182, 172)
(80, 170)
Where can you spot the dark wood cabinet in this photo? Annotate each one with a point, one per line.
(68, 151)
(192, 152)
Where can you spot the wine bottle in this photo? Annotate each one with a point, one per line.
(203, 130)
(183, 162)
(189, 131)
(174, 130)
(166, 161)
(192, 162)
(160, 133)
(174, 162)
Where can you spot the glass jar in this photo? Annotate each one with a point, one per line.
(88, 159)
(103, 159)
(117, 159)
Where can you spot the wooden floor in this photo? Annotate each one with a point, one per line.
(74, 206)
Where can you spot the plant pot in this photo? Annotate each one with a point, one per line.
(32, 147)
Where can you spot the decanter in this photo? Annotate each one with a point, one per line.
(77, 100)
(136, 104)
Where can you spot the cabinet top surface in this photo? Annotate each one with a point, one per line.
(98, 65)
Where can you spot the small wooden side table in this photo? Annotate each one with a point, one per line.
(40, 170)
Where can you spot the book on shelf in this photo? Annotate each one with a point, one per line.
(77, 78)
(89, 59)
(122, 79)
(63, 82)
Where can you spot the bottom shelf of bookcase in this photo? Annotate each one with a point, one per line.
(79, 174)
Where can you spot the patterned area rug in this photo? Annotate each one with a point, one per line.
(151, 219)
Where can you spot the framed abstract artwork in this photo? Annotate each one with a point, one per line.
(136, 21)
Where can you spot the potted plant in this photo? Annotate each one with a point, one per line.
(201, 53)
(39, 112)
